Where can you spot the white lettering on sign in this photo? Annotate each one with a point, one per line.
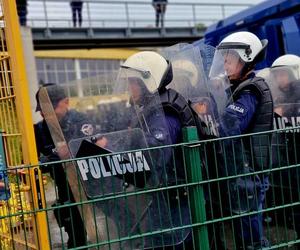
(83, 168)
(94, 168)
(211, 128)
(285, 122)
(236, 108)
(115, 165)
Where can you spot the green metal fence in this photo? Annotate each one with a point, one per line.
(206, 190)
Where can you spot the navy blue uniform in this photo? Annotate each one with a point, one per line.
(163, 129)
(236, 120)
(237, 116)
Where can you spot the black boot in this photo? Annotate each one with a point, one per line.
(77, 237)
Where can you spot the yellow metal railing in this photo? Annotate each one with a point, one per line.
(20, 226)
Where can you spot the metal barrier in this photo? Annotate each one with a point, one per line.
(217, 189)
(23, 190)
(57, 13)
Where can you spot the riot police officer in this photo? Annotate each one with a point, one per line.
(285, 72)
(285, 85)
(160, 113)
(72, 123)
(249, 109)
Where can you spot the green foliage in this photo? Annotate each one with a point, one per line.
(200, 27)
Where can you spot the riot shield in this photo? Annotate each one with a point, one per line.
(109, 174)
(284, 83)
(201, 77)
(53, 104)
(112, 174)
(190, 78)
(285, 86)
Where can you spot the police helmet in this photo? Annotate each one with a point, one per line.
(247, 45)
(153, 69)
(290, 63)
(188, 68)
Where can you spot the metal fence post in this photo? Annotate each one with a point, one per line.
(223, 11)
(47, 30)
(22, 129)
(128, 30)
(127, 15)
(90, 29)
(194, 174)
(194, 14)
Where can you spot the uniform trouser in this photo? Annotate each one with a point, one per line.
(249, 229)
(68, 217)
(286, 185)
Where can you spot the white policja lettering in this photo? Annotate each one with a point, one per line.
(117, 164)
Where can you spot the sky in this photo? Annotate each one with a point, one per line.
(106, 14)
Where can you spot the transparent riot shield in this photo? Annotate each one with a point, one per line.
(109, 173)
(285, 86)
(63, 124)
(284, 82)
(190, 78)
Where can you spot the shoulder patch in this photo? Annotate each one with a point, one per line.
(236, 108)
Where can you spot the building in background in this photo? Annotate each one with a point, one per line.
(80, 71)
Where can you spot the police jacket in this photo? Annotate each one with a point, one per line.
(44, 142)
(162, 125)
(46, 153)
(250, 110)
(73, 125)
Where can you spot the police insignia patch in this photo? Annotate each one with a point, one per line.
(236, 108)
(87, 129)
